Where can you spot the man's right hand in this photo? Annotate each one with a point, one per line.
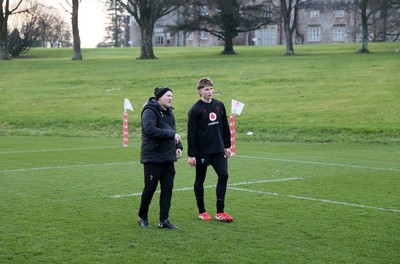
(192, 161)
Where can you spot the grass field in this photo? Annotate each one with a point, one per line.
(75, 200)
(317, 183)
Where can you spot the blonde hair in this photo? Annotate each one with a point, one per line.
(204, 82)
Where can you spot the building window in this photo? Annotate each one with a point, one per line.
(204, 35)
(339, 33)
(314, 13)
(159, 39)
(189, 36)
(159, 36)
(339, 13)
(314, 33)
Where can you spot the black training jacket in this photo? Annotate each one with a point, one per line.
(158, 134)
(208, 128)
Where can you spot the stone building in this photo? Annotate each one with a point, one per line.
(327, 22)
(319, 21)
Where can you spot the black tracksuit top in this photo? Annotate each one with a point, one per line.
(158, 134)
(208, 128)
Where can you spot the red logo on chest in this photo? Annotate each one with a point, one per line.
(212, 116)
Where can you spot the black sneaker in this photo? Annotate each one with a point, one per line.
(166, 224)
(143, 222)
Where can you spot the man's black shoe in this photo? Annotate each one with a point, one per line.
(143, 222)
(166, 224)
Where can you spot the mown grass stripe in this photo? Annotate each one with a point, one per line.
(55, 150)
(321, 163)
(241, 156)
(316, 199)
(212, 186)
(69, 166)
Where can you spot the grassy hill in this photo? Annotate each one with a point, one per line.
(326, 93)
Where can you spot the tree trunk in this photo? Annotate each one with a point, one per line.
(3, 32)
(364, 24)
(3, 41)
(385, 19)
(289, 25)
(147, 51)
(228, 46)
(75, 31)
(289, 41)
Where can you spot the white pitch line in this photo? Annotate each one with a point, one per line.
(212, 186)
(54, 150)
(316, 200)
(69, 166)
(321, 163)
(240, 156)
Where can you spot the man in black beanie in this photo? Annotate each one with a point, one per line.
(161, 147)
(160, 91)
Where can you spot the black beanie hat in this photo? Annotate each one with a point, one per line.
(160, 91)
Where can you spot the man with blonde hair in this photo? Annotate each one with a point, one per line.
(209, 142)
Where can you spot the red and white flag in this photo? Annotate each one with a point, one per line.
(127, 106)
(237, 107)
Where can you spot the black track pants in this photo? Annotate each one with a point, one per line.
(153, 173)
(220, 165)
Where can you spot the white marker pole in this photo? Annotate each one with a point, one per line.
(127, 105)
(232, 127)
(125, 129)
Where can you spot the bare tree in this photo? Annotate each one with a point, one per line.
(363, 5)
(225, 19)
(54, 30)
(59, 32)
(379, 19)
(391, 19)
(146, 14)
(74, 11)
(42, 27)
(6, 10)
(366, 9)
(115, 28)
(288, 10)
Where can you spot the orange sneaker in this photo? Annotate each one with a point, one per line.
(223, 217)
(205, 216)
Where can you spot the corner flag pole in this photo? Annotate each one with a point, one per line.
(125, 129)
(232, 127)
(127, 106)
(236, 109)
